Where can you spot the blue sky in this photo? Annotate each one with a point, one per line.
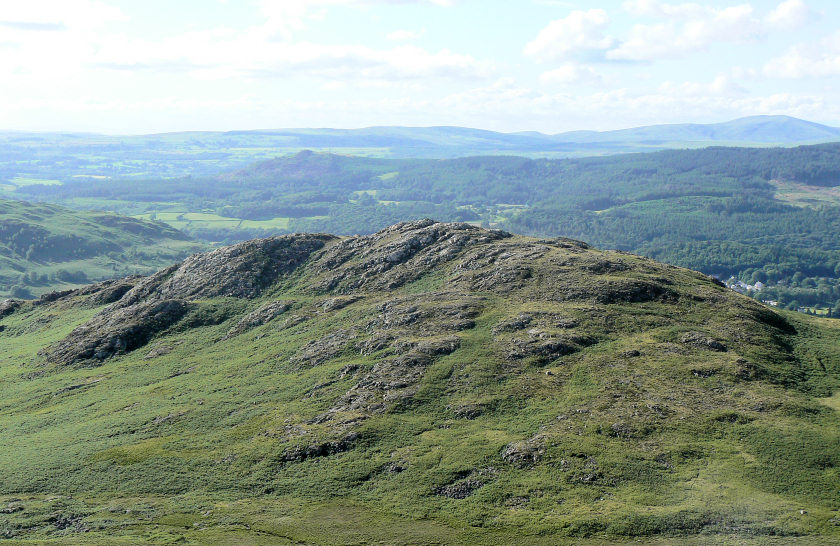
(548, 65)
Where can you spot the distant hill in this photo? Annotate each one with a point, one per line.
(47, 247)
(749, 130)
(29, 158)
(428, 384)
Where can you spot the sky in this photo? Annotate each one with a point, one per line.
(149, 66)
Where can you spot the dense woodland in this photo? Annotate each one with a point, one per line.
(714, 209)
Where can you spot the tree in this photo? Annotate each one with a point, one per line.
(21, 292)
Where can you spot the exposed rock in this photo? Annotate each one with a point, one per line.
(518, 323)
(263, 315)
(543, 350)
(323, 449)
(116, 332)
(469, 411)
(159, 350)
(460, 490)
(398, 255)
(626, 290)
(375, 343)
(7, 307)
(466, 486)
(428, 315)
(114, 291)
(53, 296)
(241, 271)
(318, 351)
(701, 341)
(524, 452)
(334, 304)
(154, 303)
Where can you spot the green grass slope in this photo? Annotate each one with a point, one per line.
(48, 247)
(431, 383)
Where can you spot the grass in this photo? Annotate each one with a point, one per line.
(191, 445)
(65, 248)
(20, 181)
(804, 195)
(199, 220)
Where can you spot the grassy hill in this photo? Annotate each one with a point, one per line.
(48, 247)
(430, 383)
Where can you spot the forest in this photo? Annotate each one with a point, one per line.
(718, 209)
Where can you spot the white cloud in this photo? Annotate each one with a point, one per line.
(579, 31)
(820, 59)
(722, 85)
(789, 14)
(223, 54)
(403, 35)
(701, 26)
(572, 74)
(46, 15)
(691, 27)
(66, 47)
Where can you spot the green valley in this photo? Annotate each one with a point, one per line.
(47, 247)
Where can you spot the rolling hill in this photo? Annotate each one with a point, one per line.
(61, 157)
(760, 214)
(749, 130)
(47, 247)
(429, 383)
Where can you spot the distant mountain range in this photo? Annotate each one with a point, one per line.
(61, 156)
(754, 129)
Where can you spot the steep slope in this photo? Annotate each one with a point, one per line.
(429, 383)
(46, 247)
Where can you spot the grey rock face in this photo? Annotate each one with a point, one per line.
(117, 332)
(241, 271)
(263, 315)
(398, 255)
(524, 453)
(143, 307)
(7, 307)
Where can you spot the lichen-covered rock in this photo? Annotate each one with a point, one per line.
(398, 255)
(116, 332)
(318, 351)
(145, 306)
(323, 449)
(700, 341)
(243, 270)
(7, 307)
(263, 315)
(112, 291)
(525, 452)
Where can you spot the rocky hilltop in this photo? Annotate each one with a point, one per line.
(429, 382)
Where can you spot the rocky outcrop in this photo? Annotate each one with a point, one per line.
(7, 307)
(240, 271)
(263, 315)
(398, 255)
(116, 332)
(700, 341)
(525, 452)
(142, 307)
